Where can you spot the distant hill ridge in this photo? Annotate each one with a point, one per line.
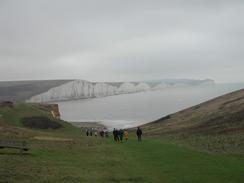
(215, 126)
(223, 115)
(58, 90)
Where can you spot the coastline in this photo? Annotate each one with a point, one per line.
(95, 125)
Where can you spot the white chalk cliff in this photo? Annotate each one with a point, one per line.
(81, 89)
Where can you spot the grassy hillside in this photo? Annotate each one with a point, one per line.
(11, 121)
(216, 125)
(23, 90)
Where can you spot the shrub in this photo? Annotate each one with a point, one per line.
(40, 122)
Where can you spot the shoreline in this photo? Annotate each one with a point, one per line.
(95, 125)
(110, 124)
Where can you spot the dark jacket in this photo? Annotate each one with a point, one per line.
(138, 132)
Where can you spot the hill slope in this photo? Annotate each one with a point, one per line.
(218, 123)
(28, 120)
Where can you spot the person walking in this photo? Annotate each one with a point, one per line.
(121, 135)
(126, 134)
(139, 134)
(87, 132)
(114, 134)
(102, 133)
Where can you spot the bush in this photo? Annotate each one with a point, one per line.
(40, 122)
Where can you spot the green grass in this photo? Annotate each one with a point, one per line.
(12, 117)
(173, 163)
(102, 160)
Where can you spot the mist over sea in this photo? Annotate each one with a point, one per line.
(129, 110)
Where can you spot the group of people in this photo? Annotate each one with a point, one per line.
(102, 132)
(119, 135)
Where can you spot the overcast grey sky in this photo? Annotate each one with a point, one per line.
(121, 40)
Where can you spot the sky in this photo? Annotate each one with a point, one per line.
(122, 40)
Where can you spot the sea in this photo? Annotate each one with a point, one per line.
(131, 110)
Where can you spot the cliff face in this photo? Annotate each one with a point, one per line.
(52, 108)
(81, 89)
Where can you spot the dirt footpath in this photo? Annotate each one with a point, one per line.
(45, 138)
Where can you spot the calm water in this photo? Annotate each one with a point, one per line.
(123, 111)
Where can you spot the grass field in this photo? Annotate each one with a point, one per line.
(90, 159)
